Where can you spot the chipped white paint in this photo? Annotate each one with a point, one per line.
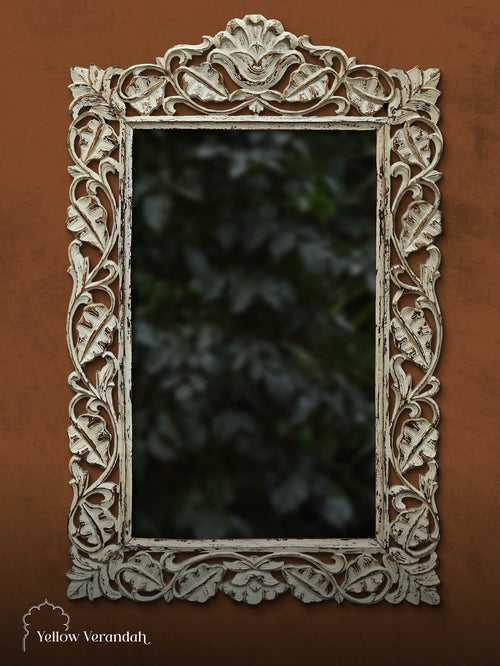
(236, 73)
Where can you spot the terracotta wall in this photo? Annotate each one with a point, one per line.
(41, 40)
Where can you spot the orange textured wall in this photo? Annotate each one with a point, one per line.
(41, 40)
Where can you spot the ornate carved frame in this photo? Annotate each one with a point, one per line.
(255, 74)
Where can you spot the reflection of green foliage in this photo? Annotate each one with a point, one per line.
(253, 346)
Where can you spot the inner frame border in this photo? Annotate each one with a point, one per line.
(381, 405)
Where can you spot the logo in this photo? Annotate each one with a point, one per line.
(49, 624)
(36, 613)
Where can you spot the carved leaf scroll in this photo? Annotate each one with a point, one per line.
(411, 527)
(416, 95)
(93, 87)
(413, 336)
(412, 145)
(97, 140)
(87, 218)
(364, 575)
(421, 223)
(84, 583)
(307, 82)
(200, 583)
(417, 443)
(145, 93)
(205, 83)
(309, 584)
(95, 330)
(365, 93)
(89, 437)
(97, 523)
(143, 573)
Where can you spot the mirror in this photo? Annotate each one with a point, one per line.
(253, 327)
(253, 333)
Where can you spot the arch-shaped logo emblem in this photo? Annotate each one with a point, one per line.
(32, 612)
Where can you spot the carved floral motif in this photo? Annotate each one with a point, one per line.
(254, 65)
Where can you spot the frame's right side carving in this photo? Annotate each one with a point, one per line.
(416, 328)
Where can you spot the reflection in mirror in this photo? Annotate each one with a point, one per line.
(253, 344)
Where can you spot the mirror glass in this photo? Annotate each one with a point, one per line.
(253, 343)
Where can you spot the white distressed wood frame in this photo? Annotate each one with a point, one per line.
(254, 74)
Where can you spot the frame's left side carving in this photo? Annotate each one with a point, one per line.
(403, 565)
(93, 317)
